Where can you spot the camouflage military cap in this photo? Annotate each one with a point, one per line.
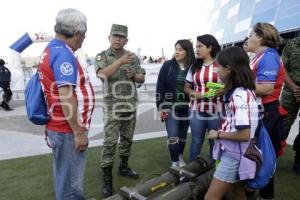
(117, 29)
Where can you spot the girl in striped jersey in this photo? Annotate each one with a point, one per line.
(203, 112)
(239, 124)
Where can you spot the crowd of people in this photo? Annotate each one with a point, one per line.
(229, 126)
(151, 60)
(253, 79)
(251, 90)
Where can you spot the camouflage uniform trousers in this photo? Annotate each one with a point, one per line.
(117, 125)
(288, 101)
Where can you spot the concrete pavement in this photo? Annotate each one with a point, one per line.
(20, 138)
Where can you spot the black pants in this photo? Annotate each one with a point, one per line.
(7, 93)
(274, 125)
(296, 148)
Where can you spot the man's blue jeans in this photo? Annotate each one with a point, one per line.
(68, 166)
(177, 125)
(201, 122)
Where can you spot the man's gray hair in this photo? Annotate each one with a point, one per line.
(70, 20)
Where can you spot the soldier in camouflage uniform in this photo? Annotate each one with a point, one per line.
(119, 70)
(290, 96)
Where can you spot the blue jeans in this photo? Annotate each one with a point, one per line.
(68, 166)
(177, 125)
(201, 122)
(228, 169)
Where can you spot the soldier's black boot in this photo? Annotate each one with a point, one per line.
(107, 182)
(2, 104)
(296, 148)
(297, 163)
(5, 106)
(124, 170)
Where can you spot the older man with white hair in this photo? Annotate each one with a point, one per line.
(70, 98)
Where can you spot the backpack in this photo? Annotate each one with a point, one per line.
(36, 106)
(268, 166)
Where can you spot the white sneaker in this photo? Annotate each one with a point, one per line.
(181, 161)
(175, 164)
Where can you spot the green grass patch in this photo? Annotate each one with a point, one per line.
(31, 178)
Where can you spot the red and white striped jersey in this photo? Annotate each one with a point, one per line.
(58, 67)
(240, 111)
(207, 73)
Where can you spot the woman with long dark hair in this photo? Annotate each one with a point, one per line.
(172, 102)
(203, 111)
(239, 125)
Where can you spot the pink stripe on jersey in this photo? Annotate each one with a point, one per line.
(233, 118)
(206, 79)
(215, 80)
(248, 103)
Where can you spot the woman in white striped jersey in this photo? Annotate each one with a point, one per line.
(203, 111)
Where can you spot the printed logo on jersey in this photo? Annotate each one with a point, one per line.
(66, 69)
(270, 72)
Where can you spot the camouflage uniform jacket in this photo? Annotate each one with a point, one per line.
(291, 59)
(119, 92)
